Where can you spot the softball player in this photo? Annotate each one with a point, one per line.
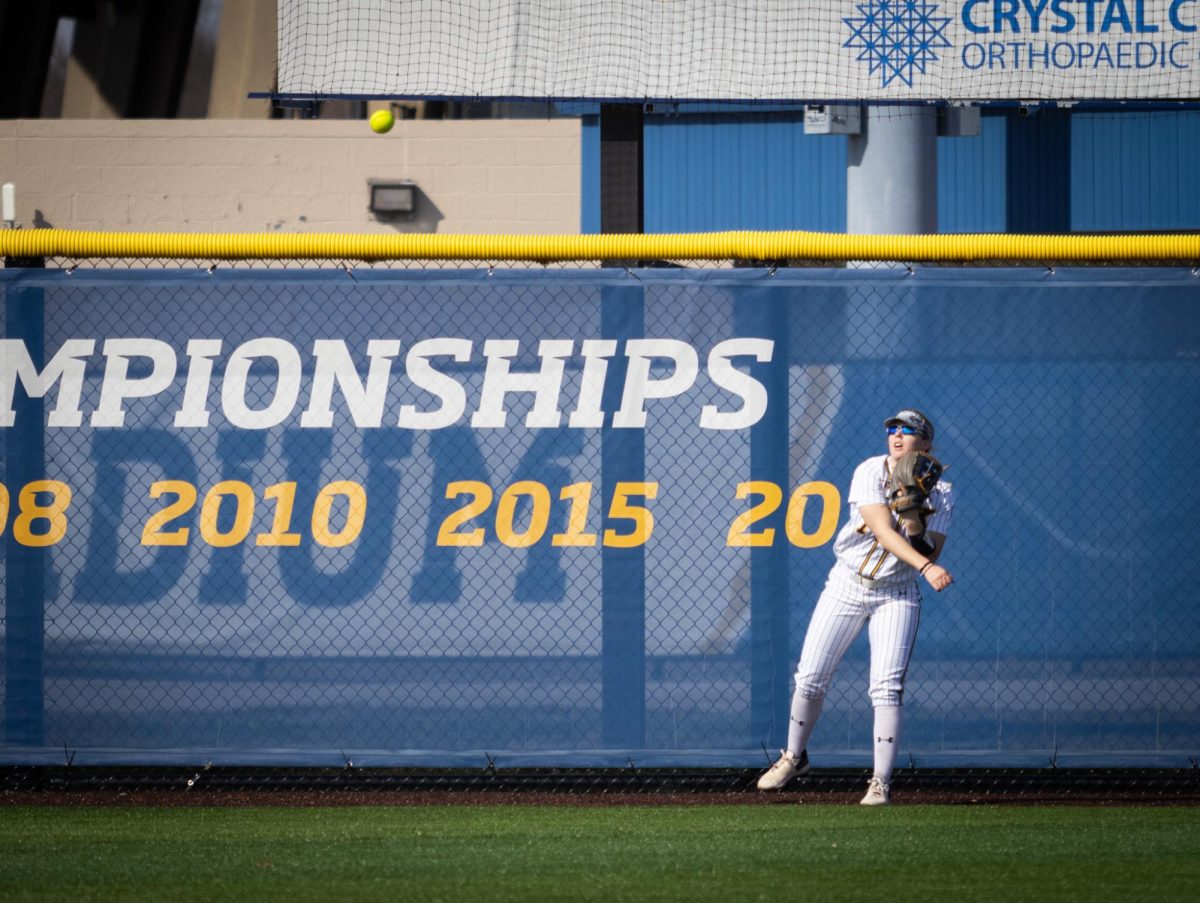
(872, 583)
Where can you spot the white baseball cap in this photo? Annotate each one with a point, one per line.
(912, 418)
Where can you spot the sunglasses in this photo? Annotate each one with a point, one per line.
(906, 430)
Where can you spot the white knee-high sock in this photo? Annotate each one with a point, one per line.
(888, 719)
(805, 712)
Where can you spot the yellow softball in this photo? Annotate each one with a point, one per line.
(382, 121)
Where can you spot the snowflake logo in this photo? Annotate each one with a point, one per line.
(897, 37)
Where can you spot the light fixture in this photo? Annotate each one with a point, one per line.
(393, 199)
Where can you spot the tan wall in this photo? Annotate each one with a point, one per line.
(485, 176)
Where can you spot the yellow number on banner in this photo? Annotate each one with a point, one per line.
(580, 497)
(55, 513)
(153, 533)
(243, 514)
(284, 496)
(481, 498)
(506, 512)
(355, 517)
(831, 504)
(739, 530)
(643, 520)
(3, 508)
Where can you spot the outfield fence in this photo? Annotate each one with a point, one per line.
(448, 501)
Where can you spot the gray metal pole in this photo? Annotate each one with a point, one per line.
(891, 172)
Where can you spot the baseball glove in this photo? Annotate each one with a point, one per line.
(913, 478)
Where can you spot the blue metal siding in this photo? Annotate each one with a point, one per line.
(751, 171)
(760, 171)
(1135, 171)
(1128, 171)
(972, 184)
(589, 168)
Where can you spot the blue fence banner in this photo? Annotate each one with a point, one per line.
(581, 516)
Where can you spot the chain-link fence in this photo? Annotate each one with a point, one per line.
(576, 516)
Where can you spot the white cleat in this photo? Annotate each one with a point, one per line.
(786, 767)
(878, 794)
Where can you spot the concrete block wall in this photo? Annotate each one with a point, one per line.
(474, 176)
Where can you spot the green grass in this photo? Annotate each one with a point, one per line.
(690, 853)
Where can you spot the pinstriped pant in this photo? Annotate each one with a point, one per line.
(891, 615)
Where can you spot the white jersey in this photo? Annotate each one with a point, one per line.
(857, 548)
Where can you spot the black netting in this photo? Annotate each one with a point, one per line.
(734, 50)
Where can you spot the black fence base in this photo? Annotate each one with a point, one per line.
(1093, 785)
